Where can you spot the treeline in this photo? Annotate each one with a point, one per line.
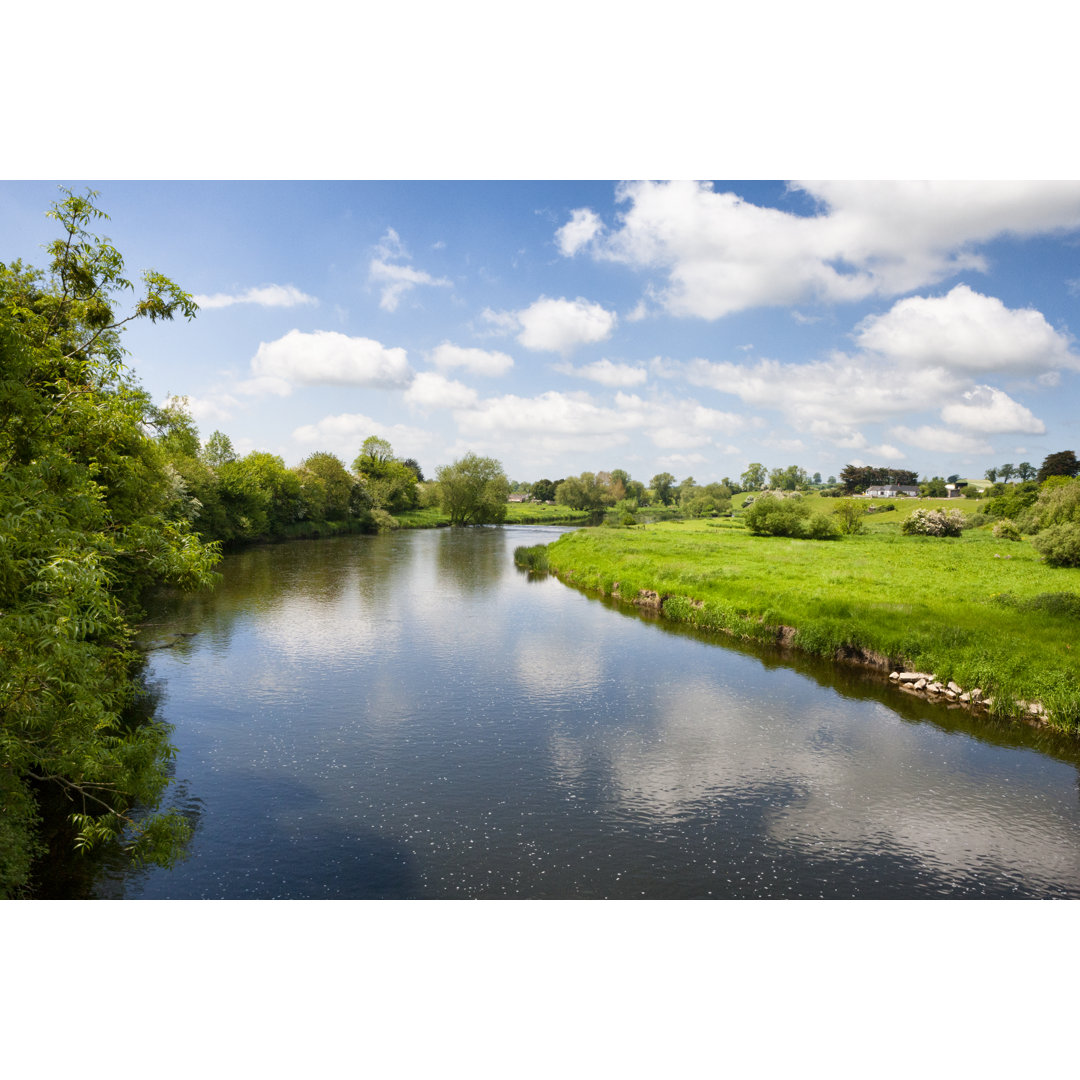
(618, 491)
(234, 499)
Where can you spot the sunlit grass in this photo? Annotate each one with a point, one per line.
(927, 603)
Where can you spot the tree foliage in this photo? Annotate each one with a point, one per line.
(857, 478)
(89, 516)
(772, 516)
(473, 490)
(390, 484)
(1063, 463)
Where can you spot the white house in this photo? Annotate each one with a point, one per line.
(891, 491)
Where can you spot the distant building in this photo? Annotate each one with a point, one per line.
(891, 491)
(955, 491)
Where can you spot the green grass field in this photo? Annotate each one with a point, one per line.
(984, 612)
(516, 514)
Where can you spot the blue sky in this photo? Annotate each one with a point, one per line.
(687, 327)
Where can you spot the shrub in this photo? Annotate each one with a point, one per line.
(822, 527)
(1059, 545)
(383, 521)
(933, 523)
(770, 516)
(1006, 530)
(849, 514)
(1058, 504)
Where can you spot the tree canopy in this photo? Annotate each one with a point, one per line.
(473, 490)
(90, 517)
(1063, 463)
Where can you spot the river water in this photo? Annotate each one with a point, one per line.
(410, 716)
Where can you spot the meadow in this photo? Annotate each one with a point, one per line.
(981, 611)
(433, 517)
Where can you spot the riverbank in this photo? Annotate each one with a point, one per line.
(982, 613)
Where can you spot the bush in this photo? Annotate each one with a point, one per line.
(933, 523)
(1058, 504)
(849, 514)
(770, 516)
(1059, 545)
(822, 527)
(1006, 530)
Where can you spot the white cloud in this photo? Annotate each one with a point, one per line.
(345, 433)
(430, 390)
(285, 296)
(477, 361)
(578, 231)
(505, 322)
(211, 410)
(558, 421)
(941, 440)
(398, 281)
(326, 357)
(607, 373)
(844, 391)
(559, 325)
(992, 412)
(397, 278)
(722, 254)
(966, 331)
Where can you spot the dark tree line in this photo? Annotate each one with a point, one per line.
(857, 478)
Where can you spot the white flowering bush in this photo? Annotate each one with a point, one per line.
(933, 523)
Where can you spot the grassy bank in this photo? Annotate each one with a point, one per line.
(983, 612)
(516, 514)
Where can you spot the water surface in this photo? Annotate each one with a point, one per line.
(410, 716)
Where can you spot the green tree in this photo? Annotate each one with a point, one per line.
(754, 477)
(390, 484)
(584, 492)
(850, 516)
(991, 474)
(544, 490)
(473, 490)
(218, 449)
(1026, 471)
(662, 485)
(325, 474)
(88, 521)
(1063, 463)
(1007, 471)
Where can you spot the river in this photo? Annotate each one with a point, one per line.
(410, 716)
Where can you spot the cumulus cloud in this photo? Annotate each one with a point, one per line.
(326, 357)
(578, 231)
(397, 278)
(992, 412)
(209, 410)
(842, 391)
(431, 390)
(285, 296)
(966, 331)
(556, 325)
(564, 421)
(722, 254)
(607, 373)
(476, 361)
(941, 440)
(344, 433)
